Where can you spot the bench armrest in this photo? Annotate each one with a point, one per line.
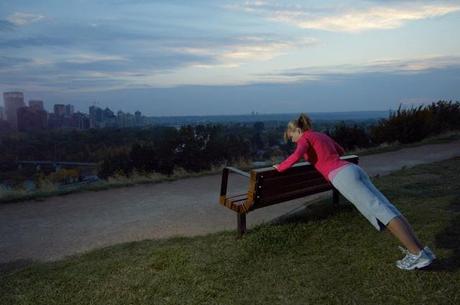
(238, 171)
(225, 172)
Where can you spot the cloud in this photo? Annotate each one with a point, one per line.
(246, 49)
(387, 66)
(357, 18)
(22, 19)
(370, 19)
(413, 65)
(140, 68)
(5, 26)
(258, 48)
(37, 41)
(7, 62)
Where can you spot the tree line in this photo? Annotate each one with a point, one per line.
(200, 147)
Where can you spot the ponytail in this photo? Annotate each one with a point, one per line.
(304, 122)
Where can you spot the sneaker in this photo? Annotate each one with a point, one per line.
(416, 261)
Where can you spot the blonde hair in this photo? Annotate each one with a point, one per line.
(303, 123)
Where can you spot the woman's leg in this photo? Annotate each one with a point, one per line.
(398, 226)
(401, 229)
(355, 185)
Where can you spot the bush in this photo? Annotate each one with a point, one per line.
(115, 164)
(65, 176)
(350, 137)
(446, 116)
(416, 123)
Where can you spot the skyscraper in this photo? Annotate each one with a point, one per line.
(2, 114)
(138, 118)
(79, 121)
(36, 104)
(96, 116)
(59, 110)
(13, 101)
(31, 119)
(69, 110)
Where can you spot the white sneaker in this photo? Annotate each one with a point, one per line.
(416, 261)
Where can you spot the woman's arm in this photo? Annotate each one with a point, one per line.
(300, 150)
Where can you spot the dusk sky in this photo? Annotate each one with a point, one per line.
(204, 57)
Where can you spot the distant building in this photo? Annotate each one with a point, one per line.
(80, 121)
(4, 127)
(125, 120)
(13, 101)
(31, 119)
(54, 122)
(100, 118)
(59, 110)
(96, 116)
(130, 120)
(121, 119)
(69, 110)
(108, 114)
(2, 114)
(138, 118)
(36, 104)
(109, 119)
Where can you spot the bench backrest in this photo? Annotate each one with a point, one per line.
(267, 186)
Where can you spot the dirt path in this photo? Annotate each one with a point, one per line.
(60, 226)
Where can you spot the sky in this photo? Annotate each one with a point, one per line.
(204, 57)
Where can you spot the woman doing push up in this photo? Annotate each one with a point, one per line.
(354, 184)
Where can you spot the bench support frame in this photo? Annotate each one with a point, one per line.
(241, 224)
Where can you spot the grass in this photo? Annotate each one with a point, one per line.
(317, 256)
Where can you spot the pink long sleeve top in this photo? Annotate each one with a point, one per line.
(318, 149)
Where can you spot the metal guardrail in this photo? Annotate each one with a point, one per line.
(55, 163)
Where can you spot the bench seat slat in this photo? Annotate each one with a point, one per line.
(266, 201)
(286, 178)
(270, 189)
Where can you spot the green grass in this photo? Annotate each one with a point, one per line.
(317, 256)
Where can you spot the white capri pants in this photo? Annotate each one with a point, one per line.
(354, 184)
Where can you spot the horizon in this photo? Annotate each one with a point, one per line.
(176, 58)
(227, 114)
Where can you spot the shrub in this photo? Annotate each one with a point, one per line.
(416, 123)
(350, 137)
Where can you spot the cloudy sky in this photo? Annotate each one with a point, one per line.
(183, 57)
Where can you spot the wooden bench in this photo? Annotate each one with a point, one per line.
(267, 187)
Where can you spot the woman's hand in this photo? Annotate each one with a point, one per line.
(275, 166)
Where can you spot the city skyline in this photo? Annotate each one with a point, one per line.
(33, 116)
(53, 108)
(231, 57)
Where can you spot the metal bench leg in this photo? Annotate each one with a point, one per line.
(241, 220)
(335, 197)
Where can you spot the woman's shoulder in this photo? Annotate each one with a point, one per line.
(314, 136)
(311, 134)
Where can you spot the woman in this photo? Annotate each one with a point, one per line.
(354, 184)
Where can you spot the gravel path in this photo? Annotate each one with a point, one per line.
(60, 226)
